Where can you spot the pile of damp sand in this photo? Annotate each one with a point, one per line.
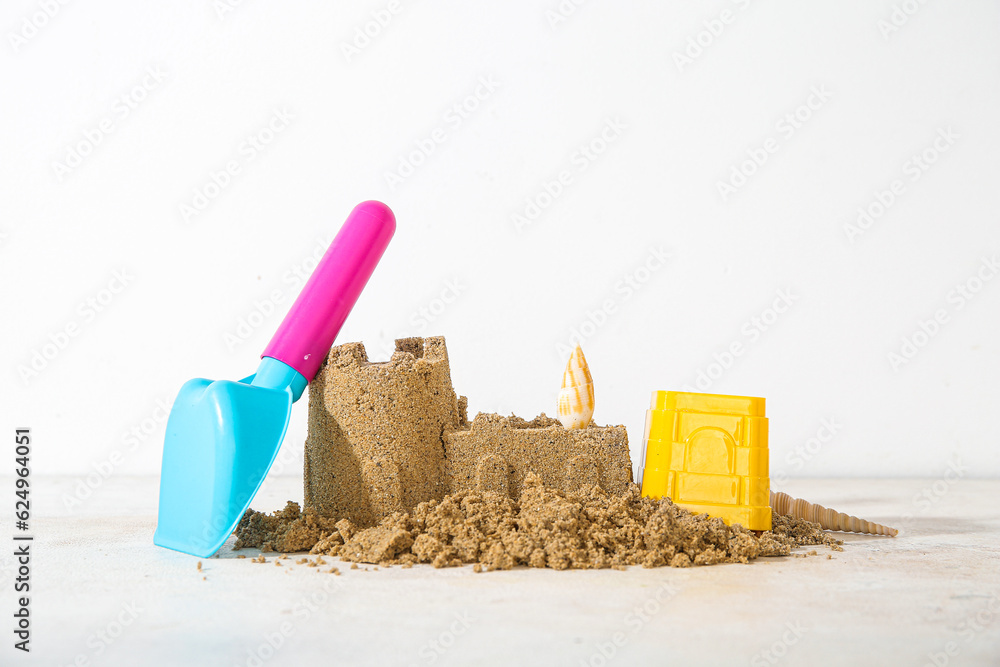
(588, 529)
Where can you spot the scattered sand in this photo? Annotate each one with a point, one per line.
(545, 528)
(287, 530)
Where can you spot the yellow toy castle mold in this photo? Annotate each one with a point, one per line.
(708, 453)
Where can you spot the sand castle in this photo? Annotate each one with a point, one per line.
(395, 473)
(386, 436)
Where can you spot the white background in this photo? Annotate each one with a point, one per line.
(685, 126)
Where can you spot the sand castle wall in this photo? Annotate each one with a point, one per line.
(496, 454)
(384, 437)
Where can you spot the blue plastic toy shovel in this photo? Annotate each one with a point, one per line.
(222, 436)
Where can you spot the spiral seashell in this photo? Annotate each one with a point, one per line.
(576, 398)
(828, 519)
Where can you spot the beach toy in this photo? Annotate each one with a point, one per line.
(222, 436)
(708, 453)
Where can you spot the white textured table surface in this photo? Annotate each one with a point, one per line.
(102, 594)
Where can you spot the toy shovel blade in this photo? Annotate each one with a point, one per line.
(221, 440)
(223, 436)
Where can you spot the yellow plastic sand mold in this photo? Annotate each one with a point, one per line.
(708, 453)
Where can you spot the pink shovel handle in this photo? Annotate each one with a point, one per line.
(310, 327)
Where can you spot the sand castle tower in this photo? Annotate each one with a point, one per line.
(375, 442)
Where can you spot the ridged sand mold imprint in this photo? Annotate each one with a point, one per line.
(828, 519)
(576, 398)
